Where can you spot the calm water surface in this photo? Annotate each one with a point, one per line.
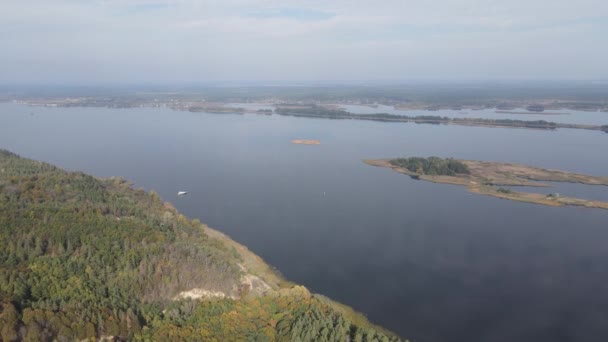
(429, 261)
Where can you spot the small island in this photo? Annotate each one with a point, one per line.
(306, 142)
(487, 178)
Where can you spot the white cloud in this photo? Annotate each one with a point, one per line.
(138, 40)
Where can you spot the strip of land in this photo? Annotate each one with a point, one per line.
(486, 178)
(528, 113)
(320, 107)
(329, 113)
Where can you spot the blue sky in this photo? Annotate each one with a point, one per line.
(131, 41)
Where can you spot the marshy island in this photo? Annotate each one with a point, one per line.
(491, 178)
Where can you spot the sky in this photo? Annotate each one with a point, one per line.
(173, 41)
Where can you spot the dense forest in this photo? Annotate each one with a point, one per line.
(432, 166)
(84, 258)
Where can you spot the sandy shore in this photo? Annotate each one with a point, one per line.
(306, 142)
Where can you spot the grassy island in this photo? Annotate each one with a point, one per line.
(88, 259)
(488, 178)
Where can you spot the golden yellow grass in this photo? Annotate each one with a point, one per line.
(485, 176)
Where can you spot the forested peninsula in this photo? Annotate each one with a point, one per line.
(87, 259)
(491, 178)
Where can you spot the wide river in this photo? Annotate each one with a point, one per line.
(429, 261)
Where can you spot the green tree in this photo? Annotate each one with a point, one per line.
(9, 322)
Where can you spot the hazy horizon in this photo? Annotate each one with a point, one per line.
(185, 41)
(297, 83)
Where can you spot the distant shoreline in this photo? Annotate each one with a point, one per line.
(322, 112)
(319, 111)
